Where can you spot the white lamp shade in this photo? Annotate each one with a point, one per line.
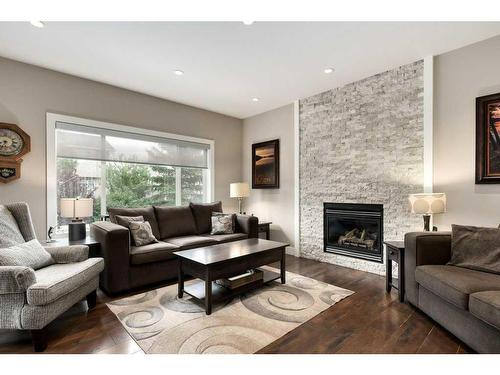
(430, 203)
(72, 207)
(239, 190)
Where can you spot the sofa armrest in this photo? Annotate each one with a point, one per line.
(115, 249)
(68, 254)
(248, 225)
(16, 279)
(423, 248)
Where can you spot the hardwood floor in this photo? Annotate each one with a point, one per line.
(369, 321)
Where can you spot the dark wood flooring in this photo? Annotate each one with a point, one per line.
(369, 321)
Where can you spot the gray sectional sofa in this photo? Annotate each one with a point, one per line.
(464, 301)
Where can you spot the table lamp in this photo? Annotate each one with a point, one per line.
(76, 209)
(239, 190)
(427, 204)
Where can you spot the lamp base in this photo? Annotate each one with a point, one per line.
(77, 231)
(427, 222)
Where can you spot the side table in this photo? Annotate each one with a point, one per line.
(395, 252)
(94, 246)
(265, 227)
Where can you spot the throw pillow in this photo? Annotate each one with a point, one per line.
(141, 233)
(476, 248)
(222, 224)
(233, 216)
(10, 234)
(124, 221)
(28, 254)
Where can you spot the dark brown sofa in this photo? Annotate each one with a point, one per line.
(464, 301)
(177, 228)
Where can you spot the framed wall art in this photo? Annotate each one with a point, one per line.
(266, 165)
(488, 139)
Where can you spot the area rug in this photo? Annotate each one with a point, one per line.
(162, 323)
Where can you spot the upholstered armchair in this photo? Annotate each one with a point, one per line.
(31, 299)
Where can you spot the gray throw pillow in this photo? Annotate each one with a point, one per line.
(141, 233)
(28, 254)
(124, 221)
(233, 216)
(476, 248)
(222, 224)
(10, 234)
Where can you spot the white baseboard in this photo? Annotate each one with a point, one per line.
(290, 250)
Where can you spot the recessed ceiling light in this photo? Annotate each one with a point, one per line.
(255, 99)
(329, 70)
(248, 23)
(38, 24)
(178, 72)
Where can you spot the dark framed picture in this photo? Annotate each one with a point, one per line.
(266, 165)
(488, 139)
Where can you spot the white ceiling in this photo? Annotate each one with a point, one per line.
(226, 64)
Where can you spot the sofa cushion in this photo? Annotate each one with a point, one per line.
(57, 280)
(202, 213)
(29, 254)
(486, 306)
(455, 284)
(476, 248)
(148, 213)
(221, 238)
(189, 242)
(10, 234)
(154, 252)
(175, 221)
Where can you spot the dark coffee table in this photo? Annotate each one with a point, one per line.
(214, 262)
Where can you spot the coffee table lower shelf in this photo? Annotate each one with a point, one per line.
(221, 293)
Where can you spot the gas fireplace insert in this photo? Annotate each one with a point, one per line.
(354, 230)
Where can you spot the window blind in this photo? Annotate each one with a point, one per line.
(91, 143)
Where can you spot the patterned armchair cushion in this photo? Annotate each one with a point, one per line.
(10, 234)
(29, 254)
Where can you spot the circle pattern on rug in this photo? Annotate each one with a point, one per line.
(305, 283)
(282, 302)
(211, 335)
(134, 300)
(141, 317)
(183, 305)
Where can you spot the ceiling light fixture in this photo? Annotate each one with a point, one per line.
(248, 23)
(178, 72)
(255, 99)
(329, 70)
(38, 24)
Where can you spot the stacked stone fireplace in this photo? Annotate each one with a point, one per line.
(361, 143)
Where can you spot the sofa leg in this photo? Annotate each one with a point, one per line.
(39, 339)
(92, 299)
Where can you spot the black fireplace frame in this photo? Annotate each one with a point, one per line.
(355, 210)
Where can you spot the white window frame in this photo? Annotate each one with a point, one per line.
(51, 183)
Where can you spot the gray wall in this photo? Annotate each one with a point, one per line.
(276, 205)
(460, 77)
(28, 92)
(362, 143)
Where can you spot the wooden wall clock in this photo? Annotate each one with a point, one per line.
(14, 143)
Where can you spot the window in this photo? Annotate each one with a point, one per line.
(121, 166)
